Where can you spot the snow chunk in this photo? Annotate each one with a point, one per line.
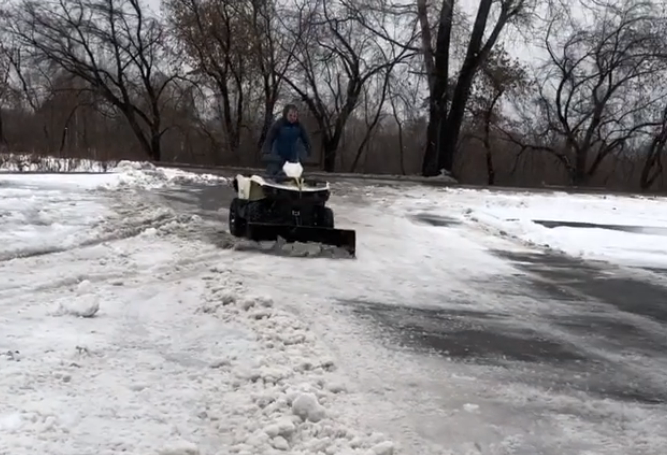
(280, 443)
(296, 249)
(282, 427)
(181, 448)
(383, 448)
(308, 407)
(470, 407)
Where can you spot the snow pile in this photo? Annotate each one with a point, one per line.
(23, 162)
(295, 249)
(290, 394)
(627, 229)
(128, 173)
(177, 359)
(148, 176)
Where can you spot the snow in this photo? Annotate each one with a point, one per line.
(514, 215)
(431, 403)
(148, 176)
(121, 330)
(120, 333)
(23, 162)
(62, 211)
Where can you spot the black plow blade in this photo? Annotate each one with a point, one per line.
(341, 238)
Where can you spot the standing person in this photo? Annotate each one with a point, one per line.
(282, 141)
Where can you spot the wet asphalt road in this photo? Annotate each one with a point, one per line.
(619, 303)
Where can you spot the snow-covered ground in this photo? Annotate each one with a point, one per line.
(48, 212)
(147, 342)
(122, 331)
(642, 221)
(436, 405)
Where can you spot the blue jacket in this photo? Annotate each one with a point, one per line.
(283, 138)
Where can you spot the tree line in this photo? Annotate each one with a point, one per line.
(512, 92)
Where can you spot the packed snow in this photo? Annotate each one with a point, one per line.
(148, 342)
(623, 229)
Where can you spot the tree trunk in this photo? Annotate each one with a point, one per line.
(471, 64)
(156, 147)
(580, 176)
(329, 159)
(652, 167)
(3, 139)
(437, 119)
(439, 89)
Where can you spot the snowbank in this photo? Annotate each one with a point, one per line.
(146, 175)
(23, 162)
(616, 228)
(128, 350)
(127, 173)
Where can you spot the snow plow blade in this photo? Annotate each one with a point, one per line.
(341, 238)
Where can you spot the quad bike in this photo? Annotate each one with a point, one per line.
(288, 207)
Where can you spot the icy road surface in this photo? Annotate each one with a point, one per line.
(466, 337)
(129, 325)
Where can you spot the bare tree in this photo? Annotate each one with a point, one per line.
(32, 84)
(447, 105)
(5, 68)
(113, 45)
(498, 75)
(335, 57)
(600, 82)
(655, 151)
(274, 53)
(216, 39)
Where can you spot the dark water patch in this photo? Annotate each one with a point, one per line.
(435, 220)
(465, 335)
(590, 279)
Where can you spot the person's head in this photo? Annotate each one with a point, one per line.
(291, 113)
